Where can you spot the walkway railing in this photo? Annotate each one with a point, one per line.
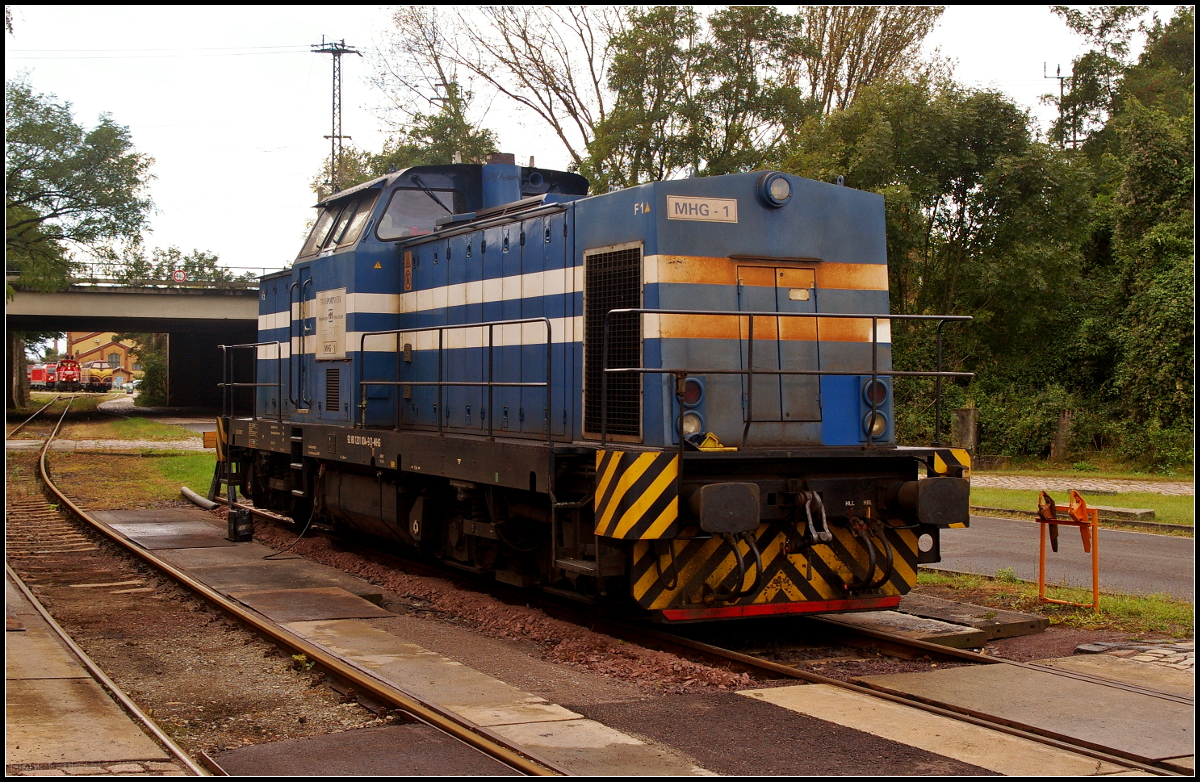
(109, 275)
(229, 383)
(750, 372)
(490, 384)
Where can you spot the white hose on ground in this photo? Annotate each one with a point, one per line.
(196, 498)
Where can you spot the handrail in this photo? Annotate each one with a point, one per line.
(227, 377)
(294, 400)
(750, 372)
(300, 400)
(490, 383)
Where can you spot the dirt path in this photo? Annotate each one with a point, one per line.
(1034, 483)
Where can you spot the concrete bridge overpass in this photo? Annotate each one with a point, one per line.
(198, 318)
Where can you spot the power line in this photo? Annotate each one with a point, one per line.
(161, 49)
(149, 56)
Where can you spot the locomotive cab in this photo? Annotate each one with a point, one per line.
(678, 395)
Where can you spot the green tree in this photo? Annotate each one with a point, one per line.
(978, 212)
(851, 47)
(648, 134)
(151, 352)
(1136, 301)
(1164, 76)
(135, 266)
(66, 188)
(1154, 269)
(1096, 75)
(745, 105)
(982, 220)
(726, 93)
(430, 139)
(636, 94)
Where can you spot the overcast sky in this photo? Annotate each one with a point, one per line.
(232, 105)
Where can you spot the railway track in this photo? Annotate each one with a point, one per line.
(68, 538)
(757, 662)
(982, 719)
(12, 432)
(34, 528)
(98, 674)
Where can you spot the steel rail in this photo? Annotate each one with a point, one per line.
(24, 423)
(642, 634)
(1049, 738)
(949, 652)
(97, 673)
(476, 736)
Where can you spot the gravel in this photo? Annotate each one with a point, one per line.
(558, 641)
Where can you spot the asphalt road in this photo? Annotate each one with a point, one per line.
(1130, 562)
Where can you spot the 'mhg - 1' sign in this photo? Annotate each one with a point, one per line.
(709, 210)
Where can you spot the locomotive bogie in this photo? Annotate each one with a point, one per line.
(677, 396)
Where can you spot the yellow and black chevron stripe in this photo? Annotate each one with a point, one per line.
(637, 494)
(222, 439)
(699, 567)
(944, 459)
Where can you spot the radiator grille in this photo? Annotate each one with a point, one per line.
(613, 280)
(333, 389)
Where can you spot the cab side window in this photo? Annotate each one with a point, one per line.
(415, 212)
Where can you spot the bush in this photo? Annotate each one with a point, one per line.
(1156, 447)
(153, 388)
(1021, 422)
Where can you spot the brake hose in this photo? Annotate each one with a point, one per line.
(725, 595)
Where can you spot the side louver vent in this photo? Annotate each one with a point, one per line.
(333, 389)
(613, 280)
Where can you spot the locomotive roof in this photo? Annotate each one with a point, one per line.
(376, 182)
(563, 182)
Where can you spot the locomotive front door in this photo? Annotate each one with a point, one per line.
(799, 346)
(780, 343)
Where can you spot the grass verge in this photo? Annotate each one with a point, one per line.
(1168, 509)
(1134, 615)
(82, 403)
(127, 429)
(135, 480)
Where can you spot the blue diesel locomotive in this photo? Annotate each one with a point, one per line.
(677, 395)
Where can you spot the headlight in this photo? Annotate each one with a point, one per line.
(875, 391)
(774, 189)
(691, 424)
(875, 424)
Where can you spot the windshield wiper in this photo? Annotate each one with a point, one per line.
(419, 183)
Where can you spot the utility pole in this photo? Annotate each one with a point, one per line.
(1061, 81)
(337, 49)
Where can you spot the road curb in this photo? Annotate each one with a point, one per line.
(1025, 515)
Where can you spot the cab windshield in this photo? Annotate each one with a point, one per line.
(340, 224)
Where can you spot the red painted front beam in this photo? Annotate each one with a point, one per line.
(774, 609)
